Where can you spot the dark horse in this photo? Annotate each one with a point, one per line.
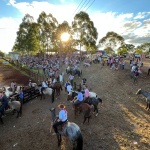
(86, 109)
(91, 100)
(70, 130)
(147, 95)
(57, 87)
(76, 72)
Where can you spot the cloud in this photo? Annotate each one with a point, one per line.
(127, 25)
(142, 15)
(8, 33)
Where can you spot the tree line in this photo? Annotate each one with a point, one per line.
(44, 35)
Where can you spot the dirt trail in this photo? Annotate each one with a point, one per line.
(122, 124)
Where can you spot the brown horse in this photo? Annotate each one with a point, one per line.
(57, 87)
(84, 108)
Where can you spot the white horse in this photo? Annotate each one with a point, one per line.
(46, 91)
(8, 93)
(91, 94)
(14, 106)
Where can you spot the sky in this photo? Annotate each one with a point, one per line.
(128, 18)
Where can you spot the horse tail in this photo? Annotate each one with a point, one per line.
(79, 141)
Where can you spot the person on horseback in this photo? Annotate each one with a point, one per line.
(69, 87)
(4, 102)
(86, 92)
(63, 117)
(30, 83)
(44, 86)
(12, 85)
(78, 99)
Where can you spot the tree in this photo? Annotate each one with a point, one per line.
(21, 43)
(48, 25)
(33, 39)
(109, 50)
(122, 50)
(63, 28)
(2, 54)
(112, 40)
(145, 47)
(138, 51)
(84, 32)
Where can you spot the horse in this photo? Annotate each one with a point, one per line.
(14, 106)
(7, 91)
(46, 91)
(147, 95)
(71, 130)
(85, 108)
(92, 100)
(75, 72)
(57, 87)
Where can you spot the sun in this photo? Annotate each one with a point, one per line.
(65, 36)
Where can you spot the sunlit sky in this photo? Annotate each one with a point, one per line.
(129, 18)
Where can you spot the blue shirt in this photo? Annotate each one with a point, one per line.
(80, 96)
(63, 115)
(21, 95)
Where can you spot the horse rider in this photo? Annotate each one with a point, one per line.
(69, 87)
(12, 85)
(44, 86)
(30, 83)
(78, 99)
(86, 92)
(4, 103)
(62, 117)
(75, 69)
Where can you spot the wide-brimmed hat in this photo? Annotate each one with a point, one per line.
(61, 106)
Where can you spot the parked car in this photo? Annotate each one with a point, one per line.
(147, 56)
(137, 55)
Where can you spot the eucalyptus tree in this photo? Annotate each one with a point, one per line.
(126, 48)
(21, 43)
(33, 38)
(62, 46)
(145, 47)
(84, 32)
(47, 26)
(112, 40)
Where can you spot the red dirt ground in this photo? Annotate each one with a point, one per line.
(122, 123)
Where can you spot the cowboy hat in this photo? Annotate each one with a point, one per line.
(61, 106)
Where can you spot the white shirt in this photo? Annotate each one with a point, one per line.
(60, 78)
(63, 115)
(69, 88)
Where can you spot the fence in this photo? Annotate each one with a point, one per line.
(29, 94)
(35, 76)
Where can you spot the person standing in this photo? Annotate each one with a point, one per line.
(69, 88)
(71, 77)
(4, 101)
